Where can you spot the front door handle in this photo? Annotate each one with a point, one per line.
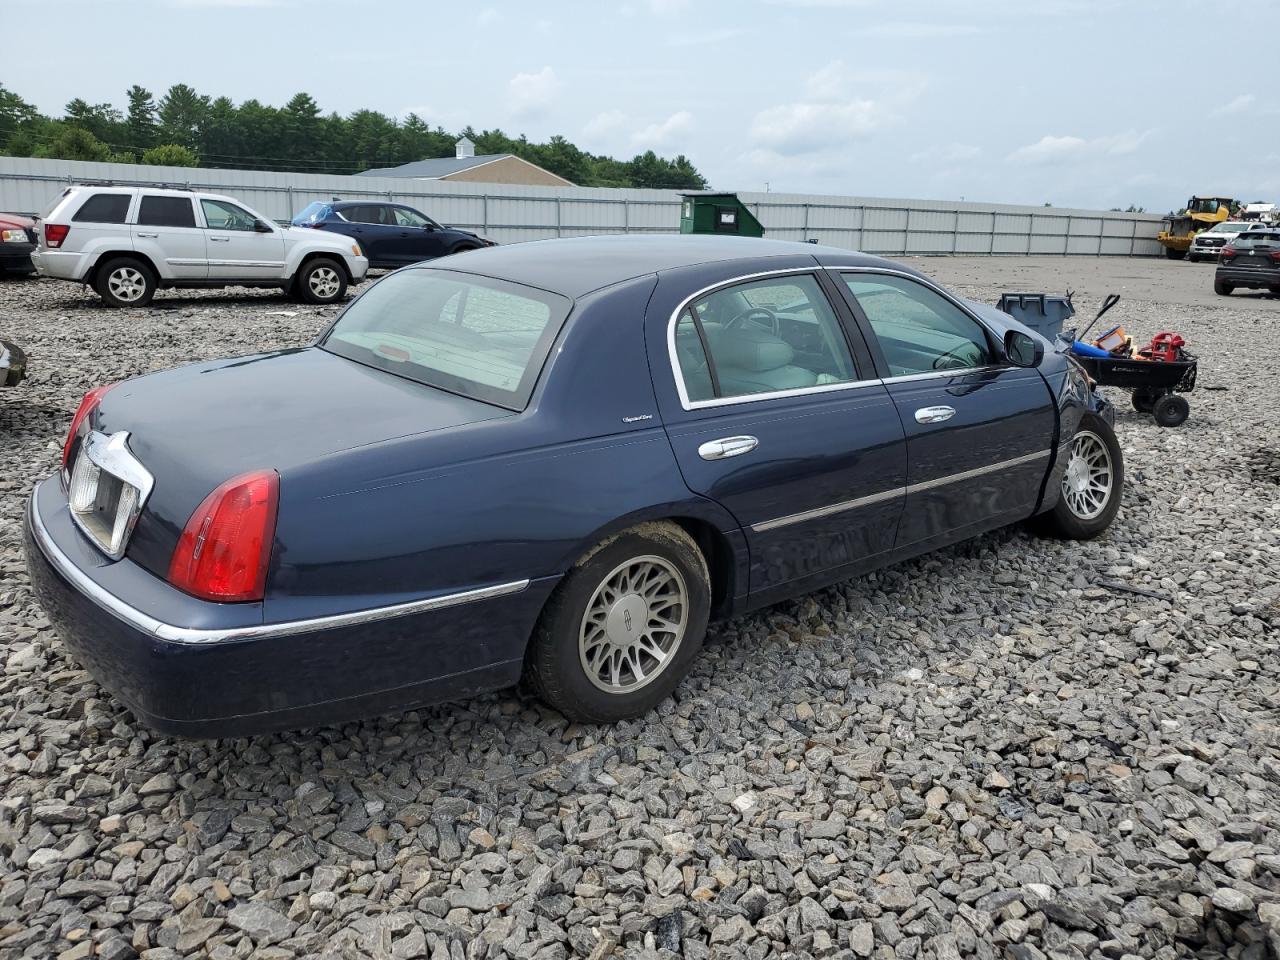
(727, 447)
(934, 414)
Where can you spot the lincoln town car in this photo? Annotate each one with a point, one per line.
(552, 461)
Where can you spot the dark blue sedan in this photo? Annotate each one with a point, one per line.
(553, 460)
(390, 234)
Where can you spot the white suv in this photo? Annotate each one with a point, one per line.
(128, 241)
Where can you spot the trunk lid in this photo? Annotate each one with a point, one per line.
(199, 425)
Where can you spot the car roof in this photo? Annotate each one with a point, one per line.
(578, 265)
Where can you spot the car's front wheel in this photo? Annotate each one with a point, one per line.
(623, 626)
(125, 282)
(321, 281)
(1092, 484)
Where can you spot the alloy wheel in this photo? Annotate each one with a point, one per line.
(633, 625)
(324, 282)
(1088, 480)
(127, 284)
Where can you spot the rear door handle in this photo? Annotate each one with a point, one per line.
(727, 447)
(934, 414)
(148, 236)
(220, 239)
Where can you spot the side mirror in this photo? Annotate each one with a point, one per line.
(430, 228)
(1022, 350)
(263, 227)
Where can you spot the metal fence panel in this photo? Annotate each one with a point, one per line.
(511, 213)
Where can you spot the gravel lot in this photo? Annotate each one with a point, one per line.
(993, 751)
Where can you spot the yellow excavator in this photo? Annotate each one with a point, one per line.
(1201, 213)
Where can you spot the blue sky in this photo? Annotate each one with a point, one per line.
(1072, 102)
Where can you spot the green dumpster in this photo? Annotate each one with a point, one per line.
(718, 213)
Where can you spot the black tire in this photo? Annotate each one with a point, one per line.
(322, 280)
(1222, 288)
(1068, 523)
(1191, 257)
(1171, 410)
(1143, 401)
(125, 282)
(554, 669)
(1173, 254)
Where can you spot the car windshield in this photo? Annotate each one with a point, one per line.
(312, 213)
(1229, 228)
(475, 336)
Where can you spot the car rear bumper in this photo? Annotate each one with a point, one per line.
(235, 681)
(1255, 277)
(59, 264)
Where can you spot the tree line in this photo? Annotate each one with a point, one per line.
(186, 128)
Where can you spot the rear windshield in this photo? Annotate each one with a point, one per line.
(1257, 238)
(312, 213)
(475, 336)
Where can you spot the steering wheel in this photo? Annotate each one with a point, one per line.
(953, 353)
(756, 315)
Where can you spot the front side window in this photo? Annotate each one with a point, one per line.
(475, 336)
(104, 208)
(761, 337)
(166, 212)
(410, 218)
(221, 215)
(919, 331)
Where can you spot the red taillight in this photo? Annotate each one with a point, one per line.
(225, 549)
(87, 406)
(1274, 255)
(1228, 251)
(54, 234)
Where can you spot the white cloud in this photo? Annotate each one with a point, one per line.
(947, 153)
(835, 109)
(532, 93)
(664, 7)
(911, 30)
(661, 133)
(488, 17)
(1239, 105)
(604, 123)
(1051, 149)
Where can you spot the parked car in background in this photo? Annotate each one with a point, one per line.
(127, 242)
(1207, 244)
(13, 364)
(17, 241)
(1251, 260)
(391, 234)
(559, 462)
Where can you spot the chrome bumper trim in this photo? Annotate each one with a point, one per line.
(187, 635)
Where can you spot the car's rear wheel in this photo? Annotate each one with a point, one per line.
(623, 626)
(321, 280)
(125, 282)
(1092, 484)
(1222, 288)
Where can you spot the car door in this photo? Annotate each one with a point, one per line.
(238, 249)
(418, 237)
(777, 416)
(376, 232)
(166, 229)
(979, 431)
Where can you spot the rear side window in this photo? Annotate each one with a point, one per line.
(167, 212)
(763, 337)
(104, 208)
(313, 213)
